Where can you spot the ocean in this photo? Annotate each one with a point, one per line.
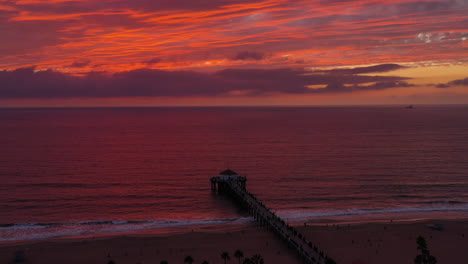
(97, 171)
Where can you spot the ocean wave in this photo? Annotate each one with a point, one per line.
(97, 197)
(444, 202)
(432, 206)
(155, 223)
(32, 231)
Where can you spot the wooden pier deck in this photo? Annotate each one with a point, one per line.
(236, 189)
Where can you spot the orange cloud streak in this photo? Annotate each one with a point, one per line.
(115, 36)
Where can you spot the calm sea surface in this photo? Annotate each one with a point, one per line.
(69, 172)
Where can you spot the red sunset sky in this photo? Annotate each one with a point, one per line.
(232, 52)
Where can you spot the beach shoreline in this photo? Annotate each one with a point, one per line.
(366, 243)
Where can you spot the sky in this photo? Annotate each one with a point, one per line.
(232, 52)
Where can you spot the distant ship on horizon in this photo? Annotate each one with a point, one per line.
(409, 107)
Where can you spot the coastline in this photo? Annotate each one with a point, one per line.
(392, 242)
(363, 243)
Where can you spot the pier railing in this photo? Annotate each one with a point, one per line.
(308, 251)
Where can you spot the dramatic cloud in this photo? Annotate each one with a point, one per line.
(121, 35)
(340, 87)
(28, 83)
(152, 61)
(369, 69)
(442, 85)
(80, 63)
(249, 55)
(178, 4)
(110, 48)
(463, 82)
(460, 82)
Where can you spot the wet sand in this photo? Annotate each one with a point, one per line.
(372, 243)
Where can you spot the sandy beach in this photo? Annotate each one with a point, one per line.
(391, 242)
(373, 243)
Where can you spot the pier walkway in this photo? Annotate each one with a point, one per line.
(235, 188)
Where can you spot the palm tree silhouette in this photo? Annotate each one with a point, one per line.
(425, 257)
(188, 259)
(205, 262)
(163, 262)
(239, 254)
(257, 259)
(247, 261)
(225, 256)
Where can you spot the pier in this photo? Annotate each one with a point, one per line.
(233, 185)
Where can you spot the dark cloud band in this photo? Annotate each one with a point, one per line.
(28, 83)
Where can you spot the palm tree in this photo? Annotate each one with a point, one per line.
(163, 262)
(205, 262)
(425, 257)
(247, 261)
(225, 256)
(188, 259)
(257, 259)
(239, 254)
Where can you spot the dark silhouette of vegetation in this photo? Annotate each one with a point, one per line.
(329, 261)
(247, 261)
(188, 259)
(163, 262)
(239, 254)
(19, 257)
(225, 256)
(205, 262)
(425, 256)
(257, 259)
(111, 262)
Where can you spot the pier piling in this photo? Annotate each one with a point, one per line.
(234, 186)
